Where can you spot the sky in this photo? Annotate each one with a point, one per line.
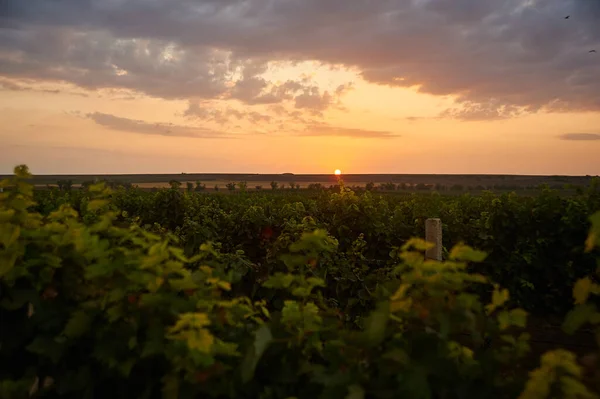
(301, 86)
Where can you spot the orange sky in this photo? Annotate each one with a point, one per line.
(318, 118)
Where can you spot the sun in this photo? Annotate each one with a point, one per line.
(337, 172)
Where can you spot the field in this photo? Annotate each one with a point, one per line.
(463, 182)
(170, 292)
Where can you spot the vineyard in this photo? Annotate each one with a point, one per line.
(129, 293)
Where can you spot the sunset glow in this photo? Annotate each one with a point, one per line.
(337, 172)
(232, 87)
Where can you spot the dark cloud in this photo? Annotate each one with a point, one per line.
(205, 112)
(314, 101)
(336, 131)
(95, 60)
(493, 110)
(304, 93)
(499, 58)
(580, 136)
(9, 85)
(156, 129)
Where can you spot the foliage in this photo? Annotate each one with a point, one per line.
(389, 186)
(534, 243)
(65, 185)
(175, 184)
(140, 294)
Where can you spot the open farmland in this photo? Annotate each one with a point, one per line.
(284, 288)
(465, 182)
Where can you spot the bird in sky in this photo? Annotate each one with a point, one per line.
(591, 51)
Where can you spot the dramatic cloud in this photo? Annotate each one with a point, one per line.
(305, 94)
(94, 60)
(580, 136)
(498, 58)
(161, 129)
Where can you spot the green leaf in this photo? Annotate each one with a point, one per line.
(7, 262)
(180, 284)
(316, 282)
(417, 244)
(515, 317)
(126, 366)
(509, 339)
(376, 324)
(78, 324)
(593, 239)
(47, 347)
(582, 289)
(263, 338)
(6, 215)
(301, 292)
(279, 280)
(9, 233)
(95, 205)
(310, 317)
(355, 392)
(132, 343)
(97, 187)
(467, 254)
(499, 298)
(179, 254)
(577, 317)
(115, 312)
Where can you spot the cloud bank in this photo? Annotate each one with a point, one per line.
(580, 136)
(498, 58)
(141, 127)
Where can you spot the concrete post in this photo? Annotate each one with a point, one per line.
(433, 234)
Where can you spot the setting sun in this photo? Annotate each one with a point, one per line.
(337, 172)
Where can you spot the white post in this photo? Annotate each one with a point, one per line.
(433, 234)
